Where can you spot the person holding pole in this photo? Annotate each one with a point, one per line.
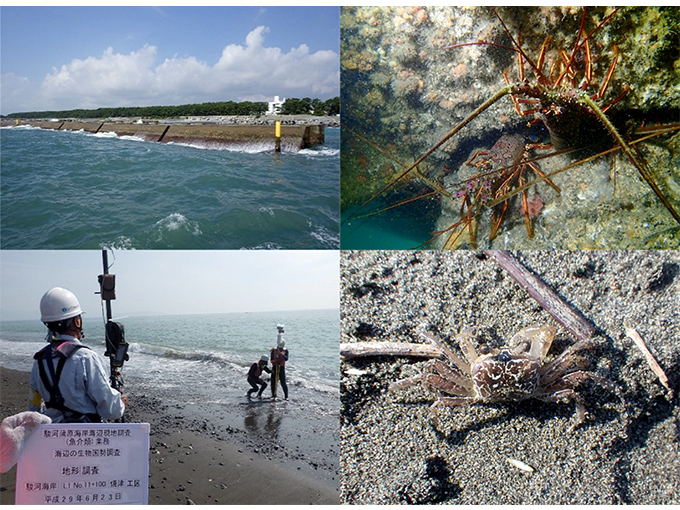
(278, 357)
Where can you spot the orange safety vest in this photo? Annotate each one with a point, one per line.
(278, 359)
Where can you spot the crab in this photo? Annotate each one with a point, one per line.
(518, 371)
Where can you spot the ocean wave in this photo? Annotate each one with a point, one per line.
(267, 210)
(120, 243)
(22, 127)
(241, 147)
(177, 354)
(322, 151)
(223, 361)
(264, 246)
(177, 221)
(325, 236)
(111, 134)
(317, 385)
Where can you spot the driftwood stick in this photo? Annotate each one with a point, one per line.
(632, 333)
(361, 349)
(571, 319)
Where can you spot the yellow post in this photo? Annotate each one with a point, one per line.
(277, 146)
(17, 122)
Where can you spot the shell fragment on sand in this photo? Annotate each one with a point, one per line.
(521, 465)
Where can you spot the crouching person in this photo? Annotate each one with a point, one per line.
(254, 376)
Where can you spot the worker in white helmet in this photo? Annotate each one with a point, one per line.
(255, 377)
(279, 356)
(69, 381)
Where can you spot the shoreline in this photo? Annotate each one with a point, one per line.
(195, 459)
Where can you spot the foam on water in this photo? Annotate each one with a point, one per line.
(245, 147)
(322, 151)
(111, 134)
(177, 221)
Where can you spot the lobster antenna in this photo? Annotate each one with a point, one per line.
(519, 49)
(579, 44)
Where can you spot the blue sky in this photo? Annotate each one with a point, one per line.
(87, 57)
(173, 282)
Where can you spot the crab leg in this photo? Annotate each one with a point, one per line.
(497, 219)
(460, 364)
(439, 383)
(566, 396)
(571, 380)
(589, 70)
(459, 386)
(557, 367)
(405, 383)
(456, 378)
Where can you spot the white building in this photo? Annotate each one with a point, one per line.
(274, 107)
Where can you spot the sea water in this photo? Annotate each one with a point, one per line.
(205, 358)
(78, 190)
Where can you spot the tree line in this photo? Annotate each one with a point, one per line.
(292, 106)
(307, 106)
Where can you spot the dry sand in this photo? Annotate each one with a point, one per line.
(194, 461)
(627, 452)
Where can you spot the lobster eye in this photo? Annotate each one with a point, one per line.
(484, 349)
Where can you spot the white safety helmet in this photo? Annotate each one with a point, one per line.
(264, 358)
(282, 343)
(59, 304)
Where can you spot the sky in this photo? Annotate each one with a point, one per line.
(172, 282)
(56, 58)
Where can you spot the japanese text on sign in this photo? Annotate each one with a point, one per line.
(85, 463)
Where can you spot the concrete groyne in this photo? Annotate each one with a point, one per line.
(293, 137)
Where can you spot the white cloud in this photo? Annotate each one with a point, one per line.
(17, 92)
(96, 81)
(244, 71)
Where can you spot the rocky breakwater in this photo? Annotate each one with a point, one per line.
(286, 120)
(242, 132)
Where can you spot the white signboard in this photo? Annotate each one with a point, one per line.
(85, 463)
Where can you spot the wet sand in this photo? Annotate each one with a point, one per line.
(628, 450)
(196, 458)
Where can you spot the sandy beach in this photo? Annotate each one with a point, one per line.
(201, 455)
(627, 451)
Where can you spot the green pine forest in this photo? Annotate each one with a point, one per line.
(292, 106)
